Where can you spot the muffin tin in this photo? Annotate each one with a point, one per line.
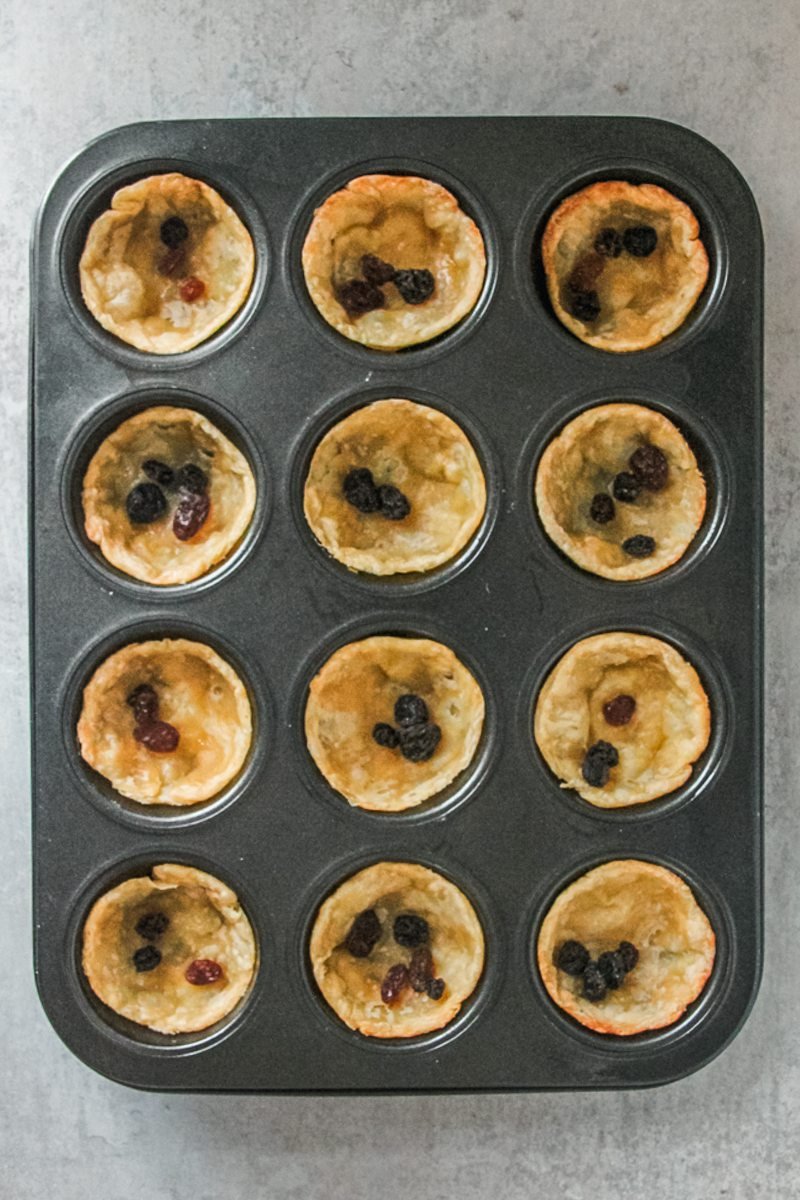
(274, 380)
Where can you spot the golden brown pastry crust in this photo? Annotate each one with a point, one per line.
(668, 732)
(642, 299)
(638, 902)
(205, 921)
(199, 693)
(357, 688)
(418, 450)
(120, 282)
(411, 223)
(584, 459)
(151, 552)
(352, 986)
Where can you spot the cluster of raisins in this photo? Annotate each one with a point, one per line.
(597, 763)
(158, 736)
(146, 502)
(359, 296)
(410, 931)
(606, 974)
(363, 493)
(649, 471)
(174, 234)
(417, 737)
(582, 299)
(150, 926)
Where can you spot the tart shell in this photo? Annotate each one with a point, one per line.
(650, 906)
(205, 921)
(352, 986)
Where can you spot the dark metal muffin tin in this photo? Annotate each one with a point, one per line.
(275, 379)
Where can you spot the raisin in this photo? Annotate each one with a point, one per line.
(594, 985)
(144, 702)
(363, 934)
(190, 515)
(626, 487)
(386, 735)
(394, 505)
(394, 983)
(411, 930)
(608, 243)
(602, 510)
(585, 273)
(410, 709)
(158, 736)
(171, 263)
(597, 763)
(145, 503)
(640, 240)
(375, 270)
(192, 289)
(584, 305)
(420, 969)
(650, 466)
(418, 742)
(151, 925)
(435, 988)
(173, 232)
(159, 472)
(192, 479)
(571, 957)
(612, 968)
(639, 546)
(415, 286)
(357, 297)
(629, 955)
(360, 491)
(146, 958)
(203, 971)
(619, 710)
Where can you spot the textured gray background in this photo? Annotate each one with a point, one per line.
(70, 69)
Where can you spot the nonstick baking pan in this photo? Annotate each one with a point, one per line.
(274, 379)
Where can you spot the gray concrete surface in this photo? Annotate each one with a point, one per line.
(70, 69)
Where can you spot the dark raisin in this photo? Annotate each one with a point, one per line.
(597, 763)
(612, 968)
(172, 262)
(363, 934)
(158, 736)
(394, 505)
(173, 232)
(386, 735)
(410, 930)
(420, 969)
(619, 710)
(375, 270)
(144, 702)
(410, 709)
(608, 243)
(629, 955)
(146, 958)
(584, 305)
(571, 957)
(360, 491)
(357, 297)
(394, 983)
(192, 479)
(639, 546)
(159, 472)
(626, 487)
(435, 988)
(191, 289)
(418, 742)
(650, 466)
(190, 515)
(203, 971)
(151, 925)
(145, 503)
(594, 985)
(415, 286)
(640, 240)
(585, 273)
(602, 510)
